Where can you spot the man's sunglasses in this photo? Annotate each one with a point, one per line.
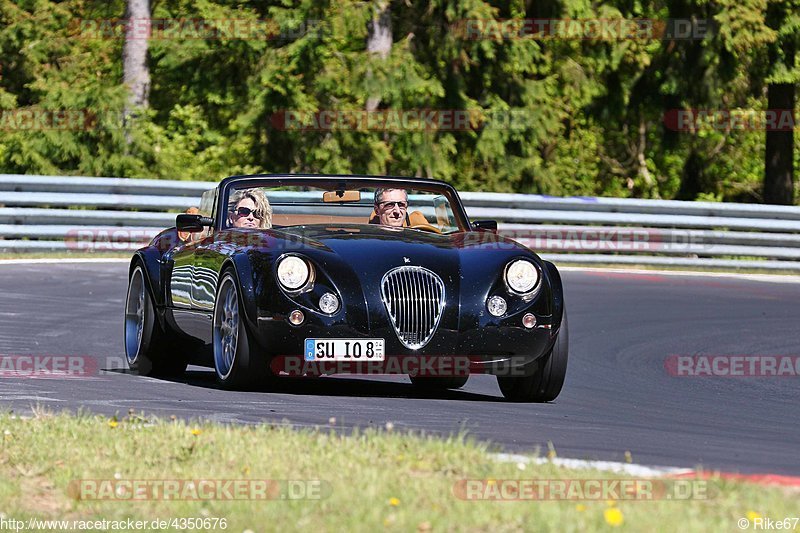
(390, 205)
(246, 212)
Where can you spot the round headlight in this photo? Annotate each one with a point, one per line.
(328, 303)
(496, 306)
(522, 276)
(293, 272)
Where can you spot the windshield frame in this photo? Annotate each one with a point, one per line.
(341, 182)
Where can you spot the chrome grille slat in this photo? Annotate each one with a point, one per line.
(395, 292)
(401, 303)
(416, 303)
(408, 308)
(434, 296)
(424, 299)
(414, 298)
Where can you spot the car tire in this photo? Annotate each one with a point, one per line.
(149, 349)
(439, 383)
(546, 383)
(237, 361)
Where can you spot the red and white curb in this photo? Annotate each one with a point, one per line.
(636, 470)
(630, 469)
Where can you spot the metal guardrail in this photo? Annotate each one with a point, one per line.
(630, 205)
(44, 213)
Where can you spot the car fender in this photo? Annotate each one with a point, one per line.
(557, 293)
(246, 281)
(151, 257)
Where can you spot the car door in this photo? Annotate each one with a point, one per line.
(192, 289)
(205, 263)
(180, 286)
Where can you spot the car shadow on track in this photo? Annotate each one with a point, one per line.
(332, 386)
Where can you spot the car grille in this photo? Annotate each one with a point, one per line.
(414, 298)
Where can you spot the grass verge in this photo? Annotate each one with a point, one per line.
(362, 481)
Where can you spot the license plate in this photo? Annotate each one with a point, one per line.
(344, 350)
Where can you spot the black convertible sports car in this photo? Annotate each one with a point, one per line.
(276, 274)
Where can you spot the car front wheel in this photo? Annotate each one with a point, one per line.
(236, 353)
(546, 383)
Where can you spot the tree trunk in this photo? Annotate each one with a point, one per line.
(778, 160)
(379, 40)
(134, 56)
(691, 177)
(778, 153)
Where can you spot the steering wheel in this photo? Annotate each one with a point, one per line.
(426, 227)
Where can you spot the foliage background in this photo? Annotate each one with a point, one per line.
(596, 108)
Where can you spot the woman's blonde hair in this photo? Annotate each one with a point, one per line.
(259, 198)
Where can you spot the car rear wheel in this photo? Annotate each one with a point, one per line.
(236, 353)
(546, 383)
(439, 383)
(149, 349)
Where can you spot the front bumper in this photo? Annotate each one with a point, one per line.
(499, 349)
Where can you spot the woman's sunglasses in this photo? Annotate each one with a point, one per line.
(246, 212)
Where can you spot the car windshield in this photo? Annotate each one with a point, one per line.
(252, 205)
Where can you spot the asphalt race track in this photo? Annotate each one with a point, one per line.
(618, 395)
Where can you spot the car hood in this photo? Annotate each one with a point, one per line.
(366, 252)
(376, 240)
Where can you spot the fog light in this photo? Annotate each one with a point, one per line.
(496, 306)
(529, 320)
(329, 303)
(296, 317)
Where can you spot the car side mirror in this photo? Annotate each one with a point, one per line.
(192, 223)
(485, 225)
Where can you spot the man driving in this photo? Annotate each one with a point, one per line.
(391, 206)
